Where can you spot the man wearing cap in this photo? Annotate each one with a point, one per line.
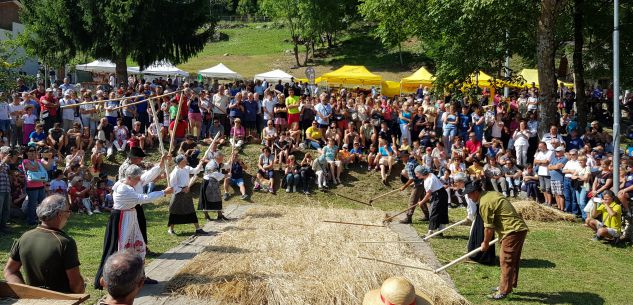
(436, 195)
(499, 216)
(49, 106)
(135, 157)
(555, 168)
(418, 187)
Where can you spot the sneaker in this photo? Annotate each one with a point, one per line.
(244, 197)
(288, 190)
(89, 213)
(226, 196)
(171, 232)
(257, 187)
(97, 211)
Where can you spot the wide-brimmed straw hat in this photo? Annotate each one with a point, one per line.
(395, 291)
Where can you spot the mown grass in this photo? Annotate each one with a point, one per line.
(561, 265)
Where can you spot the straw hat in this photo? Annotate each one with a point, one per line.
(395, 291)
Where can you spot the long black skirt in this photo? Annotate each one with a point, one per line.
(439, 209)
(475, 240)
(213, 202)
(142, 223)
(181, 209)
(110, 242)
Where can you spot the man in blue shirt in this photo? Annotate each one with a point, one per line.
(555, 168)
(573, 141)
(464, 123)
(409, 178)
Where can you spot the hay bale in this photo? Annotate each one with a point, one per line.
(531, 210)
(288, 255)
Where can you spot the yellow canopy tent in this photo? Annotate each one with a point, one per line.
(531, 76)
(421, 77)
(305, 80)
(390, 88)
(484, 80)
(352, 75)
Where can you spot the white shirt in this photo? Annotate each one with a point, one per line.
(573, 166)
(4, 111)
(220, 104)
(547, 138)
(432, 183)
(85, 106)
(147, 176)
(521, 138)
(269, 105)
(67, 113)
(213, 167)
(540, 155)
(29, 118)
(126, 197)
(179, 177)
(15, 108)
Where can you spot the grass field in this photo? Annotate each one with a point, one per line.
(260, 47)
(561, 265)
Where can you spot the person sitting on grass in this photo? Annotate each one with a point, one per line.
(38, 136)
(235, 177)
(609, 227)
(293, 175)
(215, 129)
(237, 134)
(282, 149)
(269, 134)
(265, 172)
(513, 177)
(385, 158)
(372, 157)
(335, 166)
(319, 166)
(98, 154)
(314, 137)
(530, 180)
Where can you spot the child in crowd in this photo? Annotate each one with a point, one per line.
(58, 185)
(530, 182)
(265, 173)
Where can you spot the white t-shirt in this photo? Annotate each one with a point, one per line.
(432, 183)
(67, 113)
(572, 165)
(542, 170)
(15, 108)
(29, 118)
(269, 105)
(220, 103)
(87, 107)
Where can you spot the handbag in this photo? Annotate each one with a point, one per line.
(37, 176)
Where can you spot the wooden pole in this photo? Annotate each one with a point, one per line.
(193, 178)
(395, 264)
(463, 257)
(118, 99)
(160, 139)
(445, 229)
(353, 223)
(352, 199)
(173, 133)
(130, 104)
(390, 218)
(383, 195)
(391, 242)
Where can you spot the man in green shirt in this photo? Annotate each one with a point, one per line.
(47, 255)
(292, 103)
(499, 216)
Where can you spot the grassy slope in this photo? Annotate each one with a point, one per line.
(254, 49)
(561, 265)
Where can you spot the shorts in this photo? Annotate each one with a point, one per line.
(544, 184)
(293, 118)
(195, 116)
(266, 174)
(450, 131)
(324, 126)
(612, 232)
(281, 121)
(237, 181)
(557, 187)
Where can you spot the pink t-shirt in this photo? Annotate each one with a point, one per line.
(238, 133)
(31, 184)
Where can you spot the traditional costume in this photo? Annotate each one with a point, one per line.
(181, 210)
(439, 202)
(147, 177)
(477, 236)
(210, 196)
(123, 232)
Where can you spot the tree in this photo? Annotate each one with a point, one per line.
(247, 7)
(390, 18)
(144, 31)
(546, 54)
(582, 104)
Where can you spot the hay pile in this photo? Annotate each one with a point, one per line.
(285, 255)
(531, 210)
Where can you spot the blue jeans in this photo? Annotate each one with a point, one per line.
(36, 196)
(313, 144)
(5, 126)
(581, 195)
(571, 204)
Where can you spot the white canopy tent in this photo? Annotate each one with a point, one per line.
(98, 66)
(220, 71)
(161, 69)
(274, 75)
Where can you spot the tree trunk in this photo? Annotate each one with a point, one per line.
(305, 59)
(546, 51)
(400, 54)
(121, 68)
(582, 105)
(329, 40)
(296, 51)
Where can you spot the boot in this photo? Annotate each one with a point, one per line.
(407, 220)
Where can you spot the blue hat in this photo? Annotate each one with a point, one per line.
(422, 170)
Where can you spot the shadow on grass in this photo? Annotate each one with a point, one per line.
(563, 297)
(537, 263)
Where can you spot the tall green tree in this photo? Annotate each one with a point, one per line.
(392, 20)
(546, 62)
(145, 31)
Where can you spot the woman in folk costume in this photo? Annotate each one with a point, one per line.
(477, 228)
(181, 210)
(210, 196)
(123, 232)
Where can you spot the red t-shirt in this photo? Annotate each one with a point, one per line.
(51, 111)
(182, 128)
(184, 109)
(473, 146)
(73, 193)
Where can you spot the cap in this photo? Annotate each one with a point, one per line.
(422, 170)
(49, 89)
(560, 148)
(471, 187)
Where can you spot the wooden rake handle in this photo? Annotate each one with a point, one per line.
(463, 257)
(445, 229)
